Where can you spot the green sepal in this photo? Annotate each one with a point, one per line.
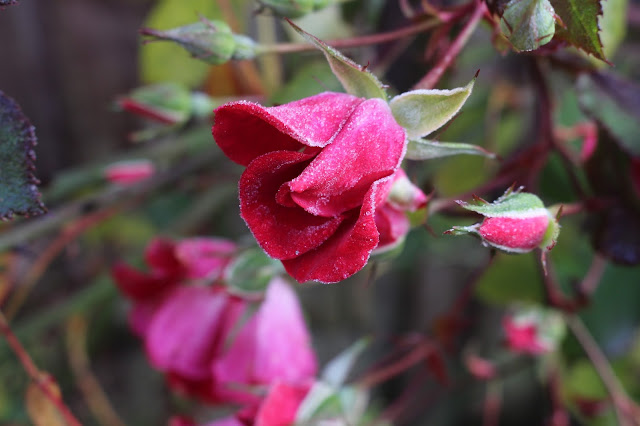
(423, 149)
(355, 79)
(528, 24)
(250, 273)
(421, 112)
(512, 202)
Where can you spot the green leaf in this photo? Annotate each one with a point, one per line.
(296, 8)
(421, 112)
(580, 24)
(422, 149)
(615, 104)
(250, 273)
(355, 79)
(337, 370)
(528, 24)
(18, 191)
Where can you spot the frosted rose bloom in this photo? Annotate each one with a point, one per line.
(318, 170)
(274, 345)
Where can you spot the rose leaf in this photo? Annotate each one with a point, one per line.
(579, 24)
(422, 149)
(18, 191)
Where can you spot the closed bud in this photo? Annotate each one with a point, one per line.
(129, 172)
(295, 8)
(210, 41)
(517, 222)
(404, 195)
(533, 331)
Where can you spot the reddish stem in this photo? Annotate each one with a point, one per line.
(418, 354)
(34, 373)
(356, 41)
(432, 77)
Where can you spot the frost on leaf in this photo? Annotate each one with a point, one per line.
(18, 191)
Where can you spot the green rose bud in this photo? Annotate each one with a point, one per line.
(210, 41)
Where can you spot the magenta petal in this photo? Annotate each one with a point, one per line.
(204, 257)
(282, 232)
(245, 130)
(392, 225)
(281, 405)
(137, 285)
(348, 250)
(187, 331)
(160, 257)
(274, 345)
(369, 147)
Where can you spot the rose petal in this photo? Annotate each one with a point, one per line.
(204, 257)
(282, 232)
(273, 345)
(160, 256)
(137, 285)
(392, 225)
(514, 234)
(369, 147)
(245, 130)
(189, 329)
(348, 249)
(281, 404)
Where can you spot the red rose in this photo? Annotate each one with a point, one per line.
(317, 170)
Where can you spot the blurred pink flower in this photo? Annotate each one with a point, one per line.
(273, 345)
(170, 263)
(129, 172)
(522, 336)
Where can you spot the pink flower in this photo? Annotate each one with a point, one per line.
(273, 345)
(281, 404)
(129, 172)
(187, 333)
(317, 170)
(522, 335)
(170, 263)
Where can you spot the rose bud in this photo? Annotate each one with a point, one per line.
(533, 331)
(129, 172)
(517, 222)
(207, 40)
(166, 103)
(404, 195)
(317, 170)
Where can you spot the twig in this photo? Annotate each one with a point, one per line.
(34, 373)
(356, 41)
(432, 77)
(418, 354)
(621, 402)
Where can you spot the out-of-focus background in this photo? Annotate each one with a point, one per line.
(66, 62)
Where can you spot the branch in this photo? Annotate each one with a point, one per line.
(34, 373)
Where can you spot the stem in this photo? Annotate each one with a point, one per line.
(418, 354)
(600, 362)
(432, 77)
(355, 41)
(34, 373)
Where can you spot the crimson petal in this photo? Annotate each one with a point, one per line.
(245, 130)
(348, 249)
(369, 147)
(282, 232)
